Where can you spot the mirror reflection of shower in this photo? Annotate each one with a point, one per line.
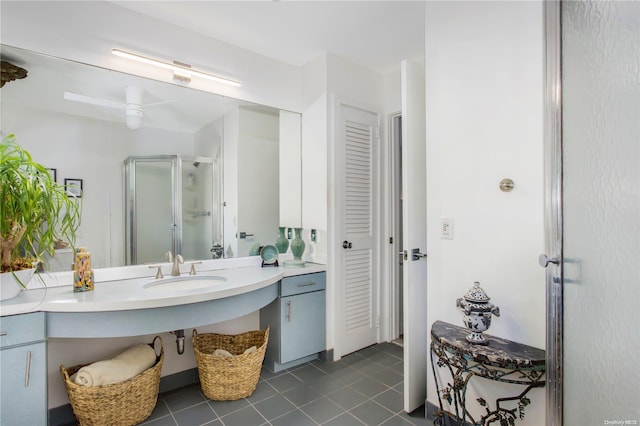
(172, 204)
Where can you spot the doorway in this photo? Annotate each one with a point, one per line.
(396, 260)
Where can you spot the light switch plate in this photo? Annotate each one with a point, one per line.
(446, 228)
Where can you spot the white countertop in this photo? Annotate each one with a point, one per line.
(130, 293)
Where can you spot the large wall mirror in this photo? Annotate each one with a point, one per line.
(163, 167)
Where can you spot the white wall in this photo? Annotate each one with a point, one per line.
(484, 85)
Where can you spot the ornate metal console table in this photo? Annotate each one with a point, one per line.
(500, 360)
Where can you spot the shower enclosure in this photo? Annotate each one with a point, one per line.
(171, 205)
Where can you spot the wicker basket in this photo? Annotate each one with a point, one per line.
(119, 404)
(227, 379)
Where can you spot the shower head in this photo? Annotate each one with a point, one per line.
(196, 164)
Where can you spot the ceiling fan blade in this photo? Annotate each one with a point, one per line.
(159, 103)
(70, 96)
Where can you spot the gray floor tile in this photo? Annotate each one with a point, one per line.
(371, 413)
(367, 366)
(369, 387)
(328, 384)
(160, 410)
(387, 377)
(302, 395)
(385, 359)
(398, 368)
(363, 388)
(273, 407)
(196, 415)
(294, 418)
(162, 421)
(391, 400)
(247, 416)
(345, 419)
(222, 408)
(347, 397)
(183, 398)
(263, 391)
(308, 373)
(351, 358)
(331, 367)
(322, 410)
(369, 351)
(284, 382)
(397, 421)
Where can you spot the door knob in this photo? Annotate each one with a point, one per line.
(544, 260)
(416, 255)
(346, 244)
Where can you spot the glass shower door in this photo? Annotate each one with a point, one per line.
(150, 211)
(197, 203)
(601, 211)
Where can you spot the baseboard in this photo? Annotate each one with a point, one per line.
(448, 419)
(63, 415)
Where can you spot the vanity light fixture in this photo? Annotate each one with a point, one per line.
(181, 71)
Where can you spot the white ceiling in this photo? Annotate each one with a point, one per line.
(376, 34)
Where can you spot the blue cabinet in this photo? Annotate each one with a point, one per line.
(23, 370)
(297, 321)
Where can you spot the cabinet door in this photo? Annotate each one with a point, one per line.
(23, 385)
(302, 320)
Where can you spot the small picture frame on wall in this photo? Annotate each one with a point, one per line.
(73, 187)
(54, 174)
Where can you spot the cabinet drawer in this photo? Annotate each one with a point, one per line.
(303, 284)
(19, 329)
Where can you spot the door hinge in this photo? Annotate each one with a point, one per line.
(377, 322)
(390, 240)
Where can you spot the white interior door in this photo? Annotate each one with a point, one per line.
(414, 235)
(356, 153)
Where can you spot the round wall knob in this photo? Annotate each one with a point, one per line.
(544, 260)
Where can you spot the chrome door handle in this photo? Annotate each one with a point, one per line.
(416, 255)
(545, 260)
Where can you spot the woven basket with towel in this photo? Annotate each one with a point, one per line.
(119, 391)
(233, 372)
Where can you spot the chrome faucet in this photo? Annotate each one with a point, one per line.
(177, 260)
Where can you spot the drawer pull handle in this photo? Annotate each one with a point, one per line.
(3, 333)
(289, 311)
(27, 370)
(306, 284)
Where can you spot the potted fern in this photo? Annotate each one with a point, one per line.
(35, 213)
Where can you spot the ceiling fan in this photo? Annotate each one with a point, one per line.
(133, 106)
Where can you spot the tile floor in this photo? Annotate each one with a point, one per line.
(363, 388)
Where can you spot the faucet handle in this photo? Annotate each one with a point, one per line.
(159, 273)
(179, 259)
(169, 256)
(193, 267)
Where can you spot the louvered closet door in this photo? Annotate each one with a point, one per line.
(359, 134)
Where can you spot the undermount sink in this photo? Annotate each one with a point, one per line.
(186, 282)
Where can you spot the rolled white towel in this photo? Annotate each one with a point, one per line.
(121, 367)
(250, 350)
(223, 353)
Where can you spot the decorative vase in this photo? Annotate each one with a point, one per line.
(477, 313)
(297, 248)
(12, 283)
(282, 243)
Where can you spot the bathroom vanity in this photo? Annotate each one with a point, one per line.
(133, 306)
(297, 321)
(23, 372)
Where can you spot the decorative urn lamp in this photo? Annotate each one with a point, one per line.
(477, 313)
